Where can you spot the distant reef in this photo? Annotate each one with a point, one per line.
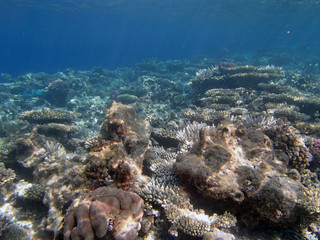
(184, 149)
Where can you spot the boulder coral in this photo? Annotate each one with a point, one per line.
(106, 211)
(236, 164)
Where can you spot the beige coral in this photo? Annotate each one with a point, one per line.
(238, 164)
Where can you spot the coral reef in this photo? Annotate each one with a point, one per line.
(127, 98)
(238, 164)
(239, 170)
(7, 177)
(57, 93)
(47, 115)
(287, 140)
(233, 77)
(110, 211)
(119, 148)
(14, 232)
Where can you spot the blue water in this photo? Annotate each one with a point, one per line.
(50, 36)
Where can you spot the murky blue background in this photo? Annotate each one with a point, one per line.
(51, 36)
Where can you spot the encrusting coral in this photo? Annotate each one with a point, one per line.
(105, 211)
(120, 146)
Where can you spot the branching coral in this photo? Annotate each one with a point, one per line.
(191, 133)
(179, 210)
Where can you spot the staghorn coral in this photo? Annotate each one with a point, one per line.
(59, 172)
(191, 133)
(179, 211)
(196, 223)
(259, 122)
(47, 115)
(35, 192)
(111, 211)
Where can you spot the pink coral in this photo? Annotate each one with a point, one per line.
(106, 211)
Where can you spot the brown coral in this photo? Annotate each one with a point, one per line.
(238, 164)
(105, 212)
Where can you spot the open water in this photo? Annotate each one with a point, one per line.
(50, 36)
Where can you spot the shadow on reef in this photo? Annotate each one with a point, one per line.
(244, 168)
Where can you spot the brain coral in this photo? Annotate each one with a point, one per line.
(239, 164)
(106, 211)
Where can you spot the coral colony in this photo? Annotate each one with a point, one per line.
(191, 150)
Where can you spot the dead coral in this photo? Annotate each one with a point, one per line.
(110, 211)
(120, 146)
(123, 123)
(238, 164)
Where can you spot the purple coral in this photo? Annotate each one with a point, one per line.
(57, 94)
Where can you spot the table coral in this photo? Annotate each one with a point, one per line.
(110, 211)
(226, 77)
(47, 115)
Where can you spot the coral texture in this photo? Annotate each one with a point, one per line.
(105, 211)
(119, 148)
(238, 164)
(47, 115)
(57, 94)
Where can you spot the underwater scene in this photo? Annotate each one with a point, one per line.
(167, 119)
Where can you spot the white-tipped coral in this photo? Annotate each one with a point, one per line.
(179, 211)
(190, 134)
